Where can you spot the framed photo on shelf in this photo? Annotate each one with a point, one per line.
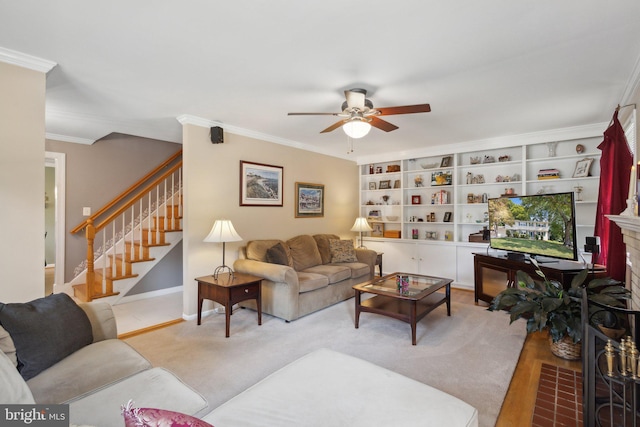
(260, 184)
(447, 216)
(309, 200)
(446, 161)
(384, 184)
(372, 186)
(378, 229)
(396, 184)
(415, 200)
(582, 168)
(441, 178)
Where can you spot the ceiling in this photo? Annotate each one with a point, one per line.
(490, 69)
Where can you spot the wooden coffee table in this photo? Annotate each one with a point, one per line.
(419, 300)
(228, 291)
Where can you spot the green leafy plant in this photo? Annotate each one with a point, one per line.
(547, 305)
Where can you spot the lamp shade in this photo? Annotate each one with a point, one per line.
(361, 225)
(356, 128)
(222, 231)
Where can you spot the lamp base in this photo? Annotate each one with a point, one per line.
(221, 270)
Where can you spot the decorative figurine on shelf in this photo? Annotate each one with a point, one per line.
(474, 160)
(489, 159)
(578, 193)
(418, 180)
(385, 199)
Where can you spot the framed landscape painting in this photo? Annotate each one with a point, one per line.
(260, 184)
(309, 200)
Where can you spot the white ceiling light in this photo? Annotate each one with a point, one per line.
(356, 128)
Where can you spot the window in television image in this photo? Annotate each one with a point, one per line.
(536, 225)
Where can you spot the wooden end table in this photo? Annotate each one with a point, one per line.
(229, 291)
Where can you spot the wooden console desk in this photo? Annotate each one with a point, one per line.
(493, 274)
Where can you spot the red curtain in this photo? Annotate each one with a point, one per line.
(615, 168)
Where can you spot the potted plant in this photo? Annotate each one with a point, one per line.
(548, 306)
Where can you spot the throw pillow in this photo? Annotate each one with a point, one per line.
(277, 254)
(342, 251)
(151, 417)
(45, 331)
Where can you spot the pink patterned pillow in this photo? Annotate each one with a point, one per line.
(151, 417)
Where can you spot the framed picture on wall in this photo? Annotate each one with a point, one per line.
(260, 184)
(309, 200)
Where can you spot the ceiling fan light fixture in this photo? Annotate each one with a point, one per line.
(356, 128)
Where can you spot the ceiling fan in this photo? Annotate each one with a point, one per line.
(359, 115)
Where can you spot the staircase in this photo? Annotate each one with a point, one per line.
(129, 235)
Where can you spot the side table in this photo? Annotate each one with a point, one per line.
(229, 291)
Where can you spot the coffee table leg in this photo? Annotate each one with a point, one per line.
(200, 301)
(357, 298)
(259, 302)
(413, 322)
(448, 297)
(227, 312)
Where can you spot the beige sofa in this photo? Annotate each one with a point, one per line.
(94, 380)
(316, 272)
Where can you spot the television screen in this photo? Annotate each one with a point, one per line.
(540, 224)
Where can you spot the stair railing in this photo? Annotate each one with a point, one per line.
(133, 222)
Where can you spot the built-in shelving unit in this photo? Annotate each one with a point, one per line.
(442, 200)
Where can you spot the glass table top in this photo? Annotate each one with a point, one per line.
(405, 284)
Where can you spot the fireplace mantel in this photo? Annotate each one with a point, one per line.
(630, 223)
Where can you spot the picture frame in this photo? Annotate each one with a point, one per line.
(260, 184)
(582, 167)
(386, 184)
(309, 200)
(447, 217)
(372, 186)
(446, 161)
(377, 229)
(416, 200)
(441, 178)
(396, 184)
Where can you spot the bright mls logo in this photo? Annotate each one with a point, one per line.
(34, 415)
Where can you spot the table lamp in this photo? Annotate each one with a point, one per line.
(222, 231)
(361, 225)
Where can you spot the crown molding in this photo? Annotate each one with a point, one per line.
(26, 61)
(633, 85)
(187, 119)
(67, 138)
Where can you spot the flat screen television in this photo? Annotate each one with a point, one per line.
(541, 225)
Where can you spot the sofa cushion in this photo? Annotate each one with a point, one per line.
(153, 388)
(277, 254)
(304, 251)
(322, 240)
(358, 269)
(257, 249)
(334, 273)
(7, 346)
(342, 251)
(311, 281)
(84, 371)
(14, 389)
(45, 331)
(153, 417)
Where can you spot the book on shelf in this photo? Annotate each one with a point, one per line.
(548, 174)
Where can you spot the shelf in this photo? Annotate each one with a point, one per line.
(482, 165)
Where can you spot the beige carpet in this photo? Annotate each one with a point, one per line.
(471, 355)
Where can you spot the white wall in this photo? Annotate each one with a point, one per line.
(22, 135)
(211, 191)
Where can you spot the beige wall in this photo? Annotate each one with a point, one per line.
(22, 136)
(211, 191)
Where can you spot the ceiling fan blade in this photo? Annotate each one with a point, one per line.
(355, 99)
(334, 126)
(382, 124)
(405, 109)
(313, 114)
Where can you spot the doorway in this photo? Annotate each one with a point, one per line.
(55, 227)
